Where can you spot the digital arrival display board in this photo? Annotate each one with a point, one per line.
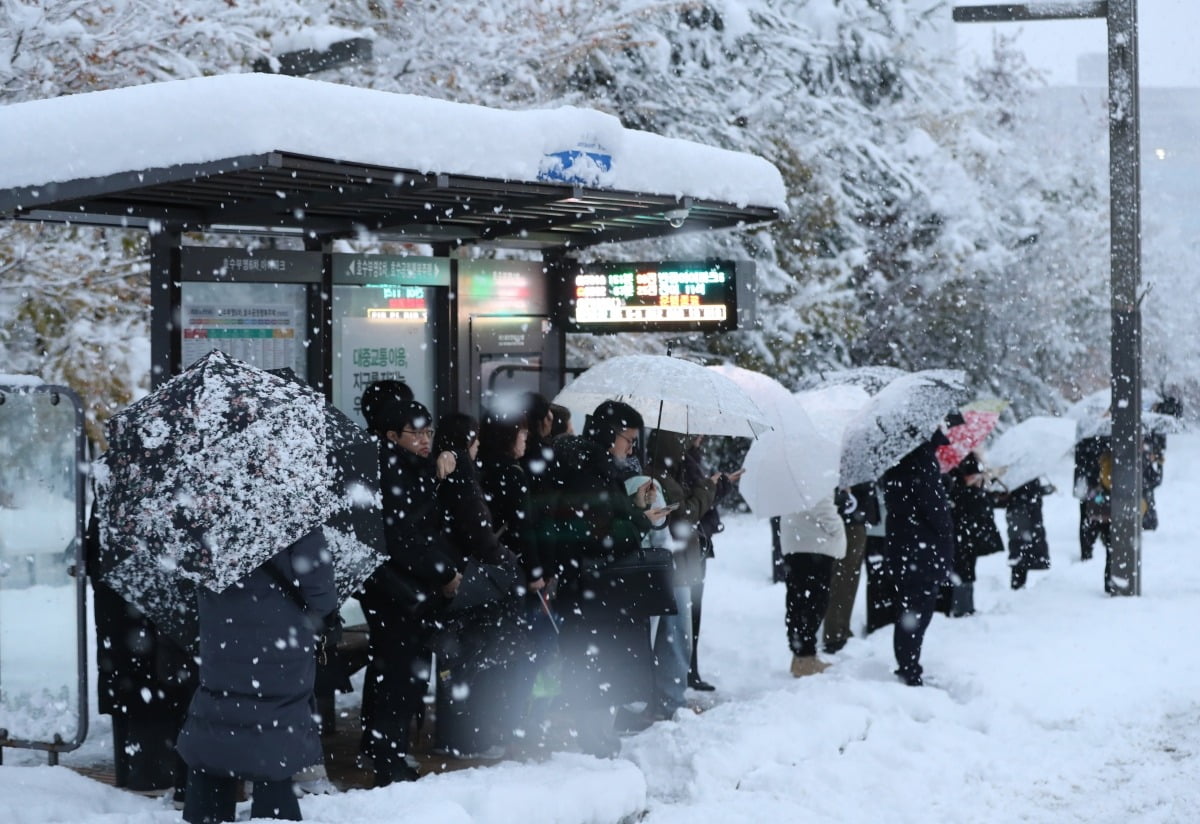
(660, 296)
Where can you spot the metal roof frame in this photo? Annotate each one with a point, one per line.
(286, 194)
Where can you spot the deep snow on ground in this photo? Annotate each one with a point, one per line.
(1052, 704)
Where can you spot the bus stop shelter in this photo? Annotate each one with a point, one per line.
(305, 164)
(248, 184)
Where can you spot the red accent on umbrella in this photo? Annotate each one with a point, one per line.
(977, 425)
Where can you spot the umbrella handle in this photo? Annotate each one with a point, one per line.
(546, 609)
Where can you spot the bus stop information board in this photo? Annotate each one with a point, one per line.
(663, 296)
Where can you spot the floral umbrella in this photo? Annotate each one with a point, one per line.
(979, 419)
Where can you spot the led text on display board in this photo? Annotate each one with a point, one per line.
(662, 296)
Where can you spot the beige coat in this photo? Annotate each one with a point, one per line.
(818, 530)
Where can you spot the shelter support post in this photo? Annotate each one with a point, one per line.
(166, 277)
(1125, 216)
(1124, 257)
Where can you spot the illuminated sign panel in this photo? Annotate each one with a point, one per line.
(664, 296)
(400, 303)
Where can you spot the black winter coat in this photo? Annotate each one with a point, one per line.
(920, 528)
(975, 532)
(418, 563)
(589, 515)
(506, 490)
(253, 714)
(466, 521)
(1026, 530)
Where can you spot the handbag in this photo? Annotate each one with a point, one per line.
(639, 584)
(485, 585)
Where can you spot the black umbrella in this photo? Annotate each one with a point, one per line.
(217, 471)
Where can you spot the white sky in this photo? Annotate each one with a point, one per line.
(1167, 34)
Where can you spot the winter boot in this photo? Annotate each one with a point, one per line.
(803, 665)
(1019, 576)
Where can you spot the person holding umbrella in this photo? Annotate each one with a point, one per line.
(253, 715)
(417, 574)
(975, 532)
(605, 651)
(920, 548)
(674, 640)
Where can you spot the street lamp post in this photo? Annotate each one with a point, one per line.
(1124, 259)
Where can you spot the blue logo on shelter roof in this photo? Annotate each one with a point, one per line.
(588, 163)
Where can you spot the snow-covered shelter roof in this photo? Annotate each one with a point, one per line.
(293, 155)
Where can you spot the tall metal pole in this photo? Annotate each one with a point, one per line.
(1126, 249)
(1124, 575)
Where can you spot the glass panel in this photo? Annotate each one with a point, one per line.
(259, 323)
(379, 333)
(39, 599)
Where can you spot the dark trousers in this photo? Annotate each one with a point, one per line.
(697, 598)
(881, 586)
(397, 679)
(212, 799)
(912, 619)
(808, 578)
(843, 589)
(778, 569)
(1089, 531)
(483, 696)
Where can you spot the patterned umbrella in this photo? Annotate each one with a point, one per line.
(218, 470)
(979, 419)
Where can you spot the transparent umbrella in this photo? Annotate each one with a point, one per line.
(670, 393)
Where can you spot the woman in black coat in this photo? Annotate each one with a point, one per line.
(144, 680)
(1027, 547)
(605, 652)
(920, 548)
(484, 663)
(506, 489)
(975, 532)
(253, 716)
(416, 577)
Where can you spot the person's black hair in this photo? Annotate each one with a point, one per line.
(384, 403)
(455, 433)
(611, 418)
(968, 466)
(536, 409)
(498, 433)
(562, 419)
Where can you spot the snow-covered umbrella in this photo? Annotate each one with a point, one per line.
(218, 470)
(1093, 417)
(669, 393)
(897, 420)
(1030, 449)
(871, 378)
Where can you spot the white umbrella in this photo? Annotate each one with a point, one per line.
(669, 393)
(1030, 449)
(897, 420)
(771, 396)
(1093, 416)
(792, 467)
(831, 408)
